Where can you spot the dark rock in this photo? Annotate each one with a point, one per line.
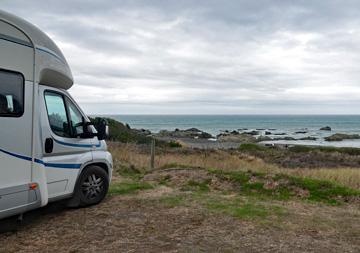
(193, 129)
(327, 128)
(267, 132)
(271, 145)
(235, 132)
(253, 133)
(341, 137)
(205, 135)
(308, 138)
(301, 132)
(288, 138)
(239, 138)
(144, 131)
(280, 134)
(188, 133)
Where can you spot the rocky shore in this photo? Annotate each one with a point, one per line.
(232, 138)
(197, 138)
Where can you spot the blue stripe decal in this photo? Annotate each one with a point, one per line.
(51, 165)
(16, 155)
(78, 145)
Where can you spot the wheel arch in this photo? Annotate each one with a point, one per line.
(100, 164)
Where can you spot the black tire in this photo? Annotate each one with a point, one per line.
(91, 187)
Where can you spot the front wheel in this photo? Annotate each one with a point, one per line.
(91, 188)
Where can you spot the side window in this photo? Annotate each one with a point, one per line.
(76, 119)
(11, 94)
(58, 119)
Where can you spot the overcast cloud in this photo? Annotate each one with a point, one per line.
(206, 57)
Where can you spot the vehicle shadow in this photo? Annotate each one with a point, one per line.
(15, 223)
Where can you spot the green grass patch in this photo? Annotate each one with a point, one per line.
(174, 144)
(284, 187)
(344, 150)
(324, 191)
(128, 187)
(252, 147)
(129, 171)
(244, 209)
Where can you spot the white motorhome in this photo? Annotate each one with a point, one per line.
(49, 150)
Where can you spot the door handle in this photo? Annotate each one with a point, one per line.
(49, 145)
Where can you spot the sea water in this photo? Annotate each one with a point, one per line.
(276, 124)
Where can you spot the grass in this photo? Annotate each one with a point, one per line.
(238, 161)
(121, 188)
(244, 209)
(174, 144)
(284, 187)
(252, 147)
(321, 190)
(197, 186)
(346, 150)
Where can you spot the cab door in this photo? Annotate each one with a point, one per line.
(65, 151)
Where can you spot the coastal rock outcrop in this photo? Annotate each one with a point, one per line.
(188, 133)
(341, 137)
(301, 132)
(308, 138)
(238, 137)
(254, 132)
(327, 128)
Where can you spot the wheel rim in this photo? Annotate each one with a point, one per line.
(92, 186)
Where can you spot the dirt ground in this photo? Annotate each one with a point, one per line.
(141, 223)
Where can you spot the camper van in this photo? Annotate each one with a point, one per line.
(49, 149)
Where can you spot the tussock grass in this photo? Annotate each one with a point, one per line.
(345, 176)
(285, 187)
(138, 157)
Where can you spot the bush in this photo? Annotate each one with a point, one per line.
(122, 133)
(252, 147)
(174, 144)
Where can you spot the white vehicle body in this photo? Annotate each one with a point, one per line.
(34, 77)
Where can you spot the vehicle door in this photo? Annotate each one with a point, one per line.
(65, 150)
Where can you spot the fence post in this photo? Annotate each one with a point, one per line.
(152, 153)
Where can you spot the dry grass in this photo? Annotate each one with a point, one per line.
(137, 156)
(344, 176)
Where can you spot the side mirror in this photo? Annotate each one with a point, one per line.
(102, 129)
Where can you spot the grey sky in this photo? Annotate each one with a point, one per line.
(206, 57)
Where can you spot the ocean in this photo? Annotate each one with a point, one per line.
(289, 124)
